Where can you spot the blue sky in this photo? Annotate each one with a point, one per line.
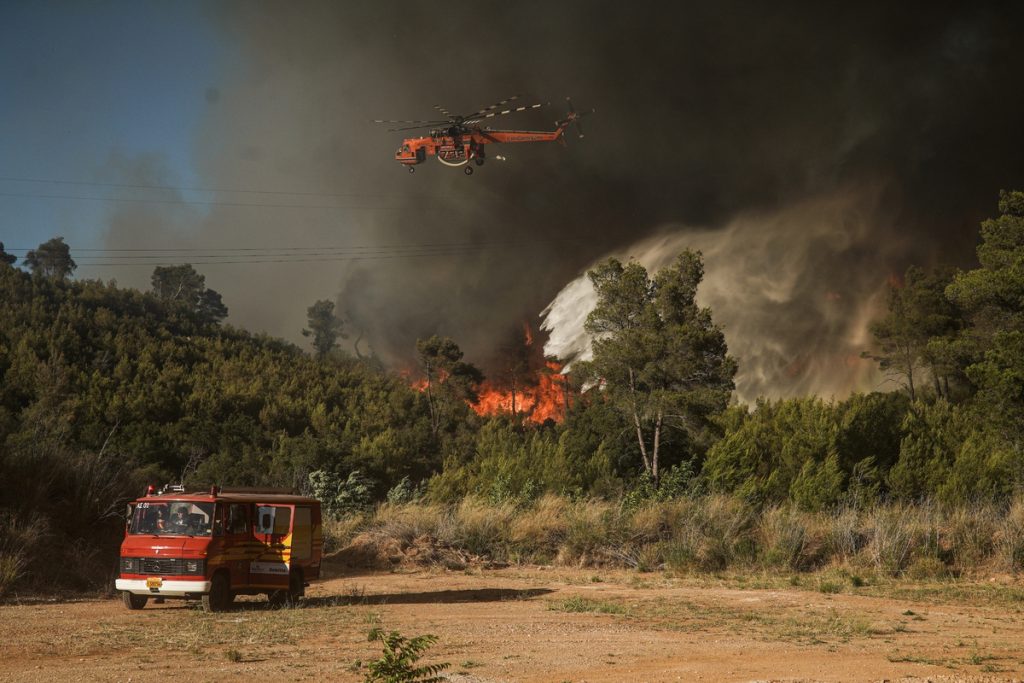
(84, 82)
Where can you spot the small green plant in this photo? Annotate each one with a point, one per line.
(398, 663)
(581, 604)
(233, 656)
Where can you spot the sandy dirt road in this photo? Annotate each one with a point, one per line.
(525, 625)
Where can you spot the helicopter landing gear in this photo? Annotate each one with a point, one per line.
(468, 170)
(412, 169)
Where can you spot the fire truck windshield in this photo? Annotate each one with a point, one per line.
(172, 518)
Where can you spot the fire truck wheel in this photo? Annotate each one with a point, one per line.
(132, 601)
(295, 586)
(291, 596)
(219, 597)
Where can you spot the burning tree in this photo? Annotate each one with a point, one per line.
(657, 355)
(448, 380)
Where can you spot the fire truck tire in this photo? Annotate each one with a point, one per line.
(219, 598)
(295, 586)
(132, 601)
(290, 596)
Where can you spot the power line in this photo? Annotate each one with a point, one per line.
(180, 188)
(253, 255)
(284, 260)
(142, 252)
(139, 200)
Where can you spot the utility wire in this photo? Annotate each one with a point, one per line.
(241, 255)
(178, 188)
(200, 252)
(139, 200)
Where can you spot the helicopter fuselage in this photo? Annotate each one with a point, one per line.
(454, 147)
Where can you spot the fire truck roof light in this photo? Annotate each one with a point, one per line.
(150, 490)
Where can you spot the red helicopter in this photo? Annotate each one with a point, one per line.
(457, 140)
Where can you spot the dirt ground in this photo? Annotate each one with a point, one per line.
(534, 624)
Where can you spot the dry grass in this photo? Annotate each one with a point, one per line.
(711, 534)
(19, 537)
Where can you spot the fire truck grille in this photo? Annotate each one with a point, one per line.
(162, 565)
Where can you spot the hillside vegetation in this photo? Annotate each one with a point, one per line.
(104, 389)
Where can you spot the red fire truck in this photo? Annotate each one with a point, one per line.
(214, 545)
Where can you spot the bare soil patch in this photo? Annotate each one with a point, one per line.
(537, 624)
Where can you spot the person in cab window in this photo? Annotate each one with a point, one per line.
(179, 520)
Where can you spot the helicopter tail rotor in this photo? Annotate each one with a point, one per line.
(574, 117)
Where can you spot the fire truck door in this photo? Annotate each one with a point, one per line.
(237, 540)
(273, 533)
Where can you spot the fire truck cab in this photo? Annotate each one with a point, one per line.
(214, 545)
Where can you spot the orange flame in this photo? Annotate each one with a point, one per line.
(545, 397)
(544, 401)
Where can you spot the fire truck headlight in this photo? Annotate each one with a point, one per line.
(129, 565)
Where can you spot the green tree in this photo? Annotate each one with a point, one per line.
(324, 327)
(657, 355)
(919, 313)
(182, 283)
(52, 259)
(450, 381)
(5, 258)
(993, 298)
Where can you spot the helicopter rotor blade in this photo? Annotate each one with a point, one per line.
(444, 112)
(428, 124)
(484, 110)
(423, 121)
(506, 112)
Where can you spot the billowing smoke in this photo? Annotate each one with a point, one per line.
(819, 149)
(793, 290)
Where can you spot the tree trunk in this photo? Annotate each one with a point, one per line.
(513, 397)
(910, 374)
(636, 423)
(435, 422)
(655, 473)
(938, 387)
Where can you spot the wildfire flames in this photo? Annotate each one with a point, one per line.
(540, 395)
(545, 400)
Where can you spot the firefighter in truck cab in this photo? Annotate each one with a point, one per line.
(214, 545)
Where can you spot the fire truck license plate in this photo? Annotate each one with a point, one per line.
(154, 582)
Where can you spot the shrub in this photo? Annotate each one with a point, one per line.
(398, 664)
(1010, 539)
(716, 532)
(844, 538)
(20, 538)
(341, 497)
(892, 538)
(592, 527)
(925, 568)
(540, 529)
(783, 536)
(480, 528)
(971, 535)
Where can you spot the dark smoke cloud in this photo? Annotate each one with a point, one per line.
(706, 111)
